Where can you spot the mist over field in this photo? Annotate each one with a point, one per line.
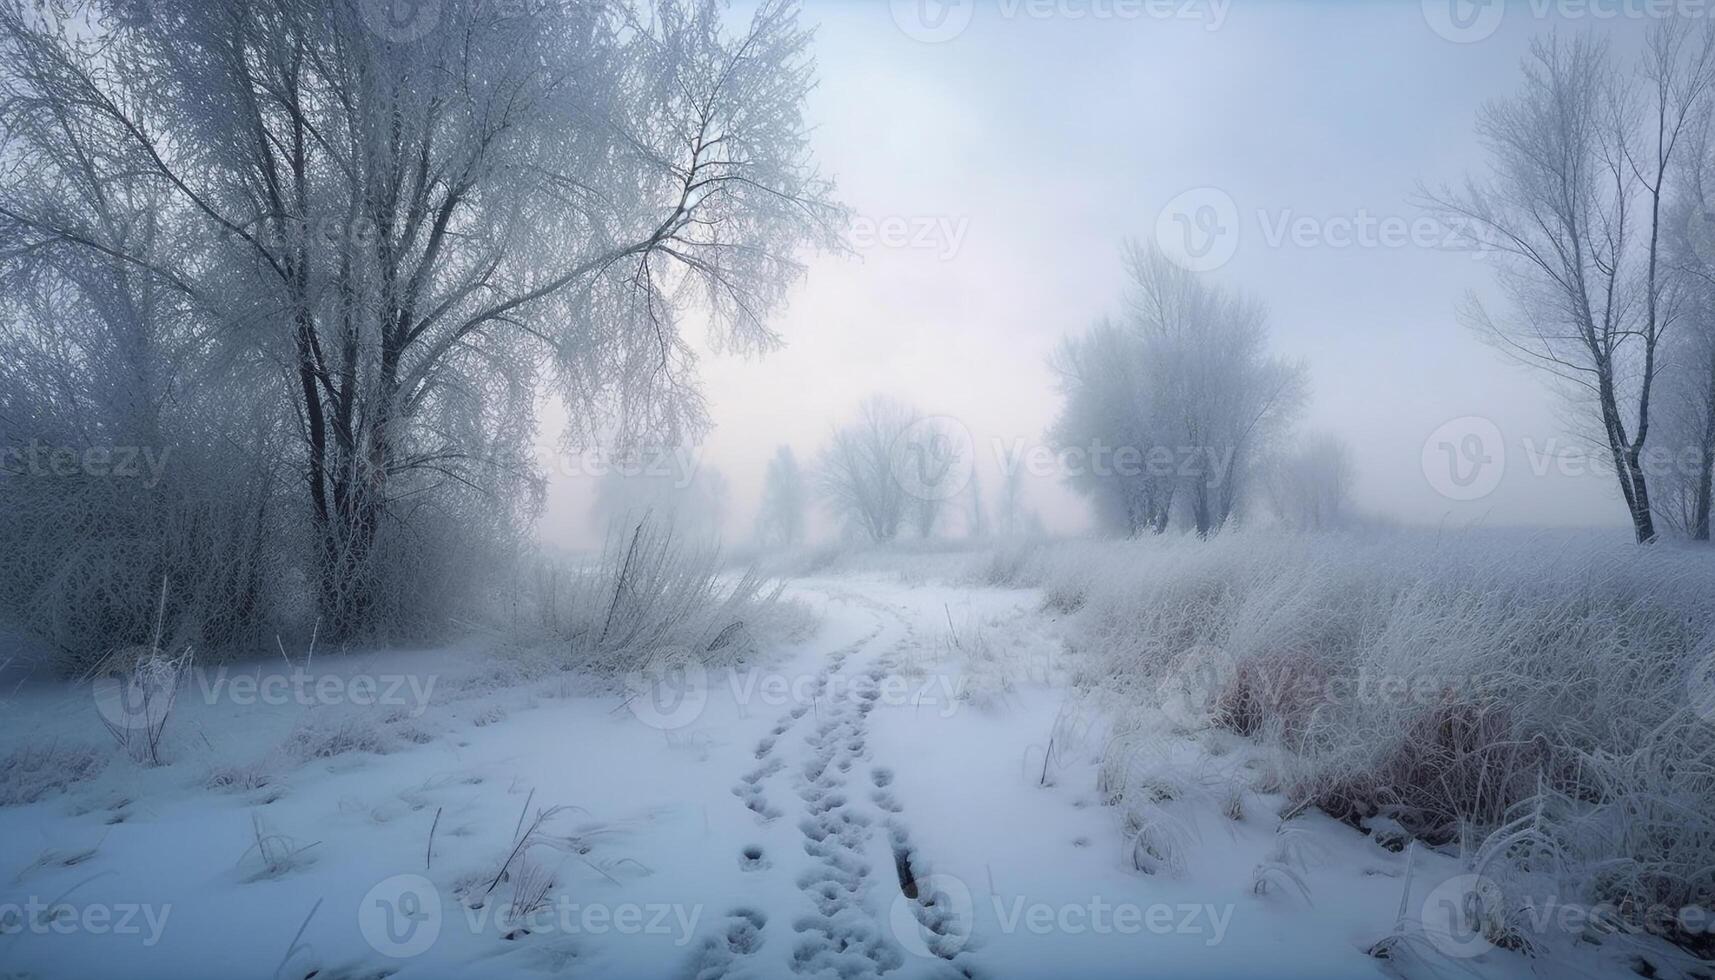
(993, 176)
(914, 488)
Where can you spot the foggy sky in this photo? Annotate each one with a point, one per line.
(993, 176)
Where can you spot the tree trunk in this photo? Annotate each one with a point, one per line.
(1706, 464)
(1643, 519)
(1633, 486)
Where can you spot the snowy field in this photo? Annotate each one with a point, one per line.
(754, 490)
(910, 788)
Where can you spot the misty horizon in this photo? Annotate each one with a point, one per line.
(963, 254)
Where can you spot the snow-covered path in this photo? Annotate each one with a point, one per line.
(911, 791)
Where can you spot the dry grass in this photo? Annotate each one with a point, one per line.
(272, 855)
(651, 590)
(1455, 684)
(324, 736)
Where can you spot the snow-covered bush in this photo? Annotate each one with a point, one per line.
(1457, 684)
(326, 734)
(1010, 564)
(32, 771)
(651, 591)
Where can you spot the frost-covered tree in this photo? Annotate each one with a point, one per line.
(976, 514)
(1685, 403)
(420, 224)
(1573, 210)
(1010, 508)
(134, 451)
(1222, 398)
(1309, 487)
(1173, 405)
(693, 503)
(857, 474)
(785, 499)
(1682, 450)
(926, 460)
(1112, 403)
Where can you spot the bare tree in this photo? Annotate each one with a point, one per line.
(412, 224)
(858, 474)
(1174, 404)
(1310, 487)
(1010, 510)
(1113, 401)
(1685, 417)
(133, 451)
(1576, 155)
(927, 460)
(1683, 446)
(1222, 398)
(693, 502)
(976, 514)
(780, 521)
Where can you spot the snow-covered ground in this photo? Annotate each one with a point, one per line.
(912, 790)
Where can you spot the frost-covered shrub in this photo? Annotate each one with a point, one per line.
(652, 592)
(1011, 564)
(323, 735)
(1455, 684)
(32, 771)
(241, 777)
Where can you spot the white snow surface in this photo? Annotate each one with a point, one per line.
(754, 829)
